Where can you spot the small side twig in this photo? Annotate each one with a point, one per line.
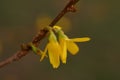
(25, 48)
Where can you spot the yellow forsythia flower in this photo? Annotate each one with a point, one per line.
(68, 44)
(53, 49)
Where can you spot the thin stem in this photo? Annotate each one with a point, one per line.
(68, 8)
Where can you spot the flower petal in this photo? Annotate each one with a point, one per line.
(72, 47)
(57, 27)
(63, 54)
(80, 39)
(54, 54)
(44, 53)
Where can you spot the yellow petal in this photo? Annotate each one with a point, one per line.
(54, 54)
(80, 39)
(63, 54)
(72, 47)
(43, 54)
(57, 27)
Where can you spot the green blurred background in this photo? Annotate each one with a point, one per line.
(98, 59)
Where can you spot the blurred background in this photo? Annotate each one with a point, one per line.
(98, 59)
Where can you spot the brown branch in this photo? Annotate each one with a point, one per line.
(25, 48)
(68, 8)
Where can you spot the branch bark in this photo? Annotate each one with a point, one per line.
(25, 48)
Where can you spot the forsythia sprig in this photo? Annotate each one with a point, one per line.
(57, 48)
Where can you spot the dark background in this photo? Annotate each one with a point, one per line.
(98, 59)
